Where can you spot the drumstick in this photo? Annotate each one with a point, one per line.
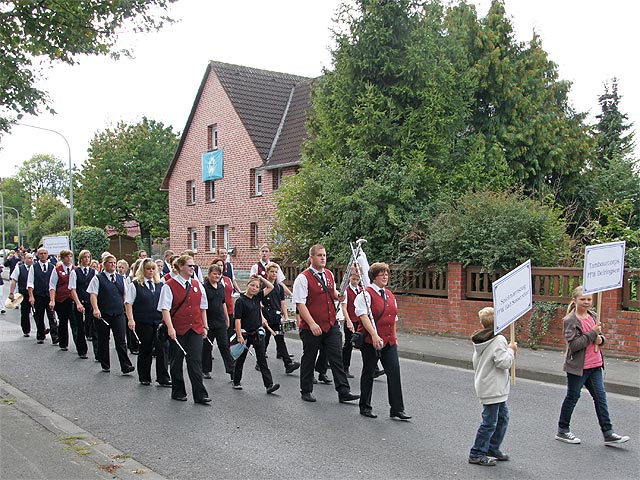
(137, 337)
(209, 340)
(183, 350)
(270, 330)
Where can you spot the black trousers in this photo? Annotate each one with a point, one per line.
(25, 312)
(220, 335)
(255, 340)
(148, 341)
(117, 325)
(192, 344)
(67, 314)
(41, 305)
(331, 343)
(132, 342)
(281, 346)
(391, 365)
(348, 348)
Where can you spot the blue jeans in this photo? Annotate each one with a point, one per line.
(491, 432)
(593, 379)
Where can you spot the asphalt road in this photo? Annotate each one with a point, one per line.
(248, 434)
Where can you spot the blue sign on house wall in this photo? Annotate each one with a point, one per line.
(212, 165)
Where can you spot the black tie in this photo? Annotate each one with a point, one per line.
(113, 278)
(321, 276)
(187, 286)
(150, 283)
(84, 270)
(382, 292)
(44, 268)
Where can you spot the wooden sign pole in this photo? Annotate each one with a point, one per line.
(597, 347)
(512, 333)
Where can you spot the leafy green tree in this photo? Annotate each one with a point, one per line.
(120, 181)
(613, 131)
(48, 213)
(43, 174)
(93, 239)
(35, 33)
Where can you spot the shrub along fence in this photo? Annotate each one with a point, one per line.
(446, 302)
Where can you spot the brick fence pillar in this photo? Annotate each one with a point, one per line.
(455, 288)
(611, 303)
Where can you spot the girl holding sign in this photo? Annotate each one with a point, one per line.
(584, 366)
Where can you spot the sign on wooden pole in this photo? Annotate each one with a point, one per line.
(512, 298)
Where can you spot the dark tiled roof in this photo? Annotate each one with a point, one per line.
(260, 97)
(271, 105)
(293, 134)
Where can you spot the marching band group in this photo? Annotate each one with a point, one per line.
(169, 310)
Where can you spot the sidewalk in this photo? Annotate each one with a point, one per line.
(621, 376)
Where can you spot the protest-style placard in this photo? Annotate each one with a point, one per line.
(512, 298)
(55, 244)
(603, 267)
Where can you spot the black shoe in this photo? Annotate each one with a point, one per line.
(400, 415)
(128, 370)
(55, 341)
(348, 373)
(180, 399)
(378, 373)
(308, 397)
(84, 357)
(64, 349)
(26, 335)
(273, 388)
(40, 342)
(106, 370)
(206, 375)
(368, 413)
(322, 377)
(145, 382)
(134, 352)
(292, 367)
(165, 384)
(347, 397)
(203, 401)
(257, 367)
(498, 455)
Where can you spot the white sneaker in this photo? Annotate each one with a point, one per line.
(237, 386)
(567, 437)
(614, 438)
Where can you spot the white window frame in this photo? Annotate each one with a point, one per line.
(194, 239)
(210, 184)
(212, 238)
(225, 236)
(258, 182)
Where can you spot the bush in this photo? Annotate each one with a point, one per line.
(497, 231)
(93, 239)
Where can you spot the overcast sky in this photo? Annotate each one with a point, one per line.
(591, 41)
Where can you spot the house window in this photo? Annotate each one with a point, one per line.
(253, 235)
(212, 137)
(259, 183)
(193, 239)
(191, 192)
(276, 176)
(209, 191)
(212, 238)
(223, 236)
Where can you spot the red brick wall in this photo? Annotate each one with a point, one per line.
(456, 316)
(233, 204)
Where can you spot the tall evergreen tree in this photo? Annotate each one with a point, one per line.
(613, 132)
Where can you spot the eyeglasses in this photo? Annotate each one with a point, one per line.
(191, 265)
(384, 274)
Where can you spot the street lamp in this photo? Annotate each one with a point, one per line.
(70, 179)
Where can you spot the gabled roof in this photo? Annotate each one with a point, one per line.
(271, 105)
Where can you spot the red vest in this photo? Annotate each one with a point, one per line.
(189, 316)
(351, 308)
(320, 303)
(228, 298)
(261, 270)
(62, 289)
(385, 323)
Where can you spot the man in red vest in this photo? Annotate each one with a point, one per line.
(314, 292)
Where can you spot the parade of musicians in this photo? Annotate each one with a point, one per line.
(412, 264)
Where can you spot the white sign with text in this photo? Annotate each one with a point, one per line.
(55, 244)
(512, 296)
(603, 267)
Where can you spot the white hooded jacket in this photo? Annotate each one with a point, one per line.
(492, 360)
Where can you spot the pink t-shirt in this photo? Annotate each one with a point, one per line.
(592, 359)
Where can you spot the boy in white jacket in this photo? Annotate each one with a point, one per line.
(492, 359)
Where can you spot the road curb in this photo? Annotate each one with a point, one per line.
(559, 379)
(101, 453)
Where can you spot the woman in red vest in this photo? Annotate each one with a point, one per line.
(184, 312)
(378, 313)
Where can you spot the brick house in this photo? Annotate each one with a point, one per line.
(243, 136)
